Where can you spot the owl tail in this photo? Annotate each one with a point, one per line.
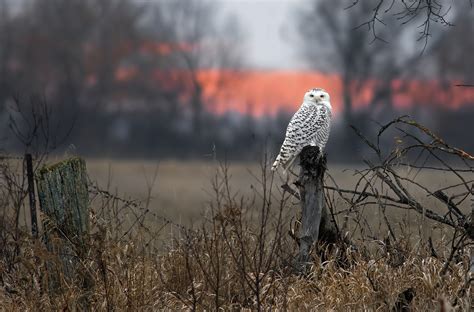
(276, 164)
(286, 163)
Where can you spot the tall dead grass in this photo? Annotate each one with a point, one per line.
(242, 256)
(239, 258)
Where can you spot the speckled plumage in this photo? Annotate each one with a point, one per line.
(310, 125)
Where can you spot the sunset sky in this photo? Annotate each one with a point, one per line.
(275, 75)
(265, 92)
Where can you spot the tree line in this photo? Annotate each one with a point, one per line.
(125, 74)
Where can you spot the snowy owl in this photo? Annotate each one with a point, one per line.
(310, 125)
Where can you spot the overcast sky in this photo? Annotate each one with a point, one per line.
(269, 31)
(268, 28)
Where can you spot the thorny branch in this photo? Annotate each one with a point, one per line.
(390, 180)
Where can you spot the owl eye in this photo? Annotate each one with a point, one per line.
(311, 95)
(322, 95)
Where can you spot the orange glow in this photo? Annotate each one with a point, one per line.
(125, 73)
(164, 48)
(266, 92)
(259, 92)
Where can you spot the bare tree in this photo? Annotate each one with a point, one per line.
(5, 51)
(195, 30)
(71, 50)
(374, 66)
(425, 14)
(332, 42)
(452, 52)
(115, 39)
(385, 184)
(73, 53)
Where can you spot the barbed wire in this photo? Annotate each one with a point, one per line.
(94, 188)
(7, 157)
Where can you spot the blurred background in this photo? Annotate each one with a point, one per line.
(151, 93)
(197, 79)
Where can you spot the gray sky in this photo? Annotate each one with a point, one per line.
(269, 31)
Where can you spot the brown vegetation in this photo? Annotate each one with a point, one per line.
(240, 255)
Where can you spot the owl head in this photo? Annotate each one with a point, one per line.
(316, 95)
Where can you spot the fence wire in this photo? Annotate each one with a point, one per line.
(7, 157)
(94, 189)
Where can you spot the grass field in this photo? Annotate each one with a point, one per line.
(182, 190)
(231, 263)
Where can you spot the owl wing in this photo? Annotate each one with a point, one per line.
(323, 126)
(301, 131)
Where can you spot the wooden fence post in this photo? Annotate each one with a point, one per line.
(316, 222)
(64, 202)
(31, 194)
(471, 235)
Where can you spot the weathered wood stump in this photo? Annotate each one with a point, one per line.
(471, 235)
(316, 221)
(31, 194)
(64, 202)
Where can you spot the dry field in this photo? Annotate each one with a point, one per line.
(182, 190)
(232, 264)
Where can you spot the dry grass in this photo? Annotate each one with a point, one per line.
(227, 262)
(182, 189)
(140, 282)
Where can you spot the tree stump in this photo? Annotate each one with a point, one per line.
(316, 221)
(64, 202)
